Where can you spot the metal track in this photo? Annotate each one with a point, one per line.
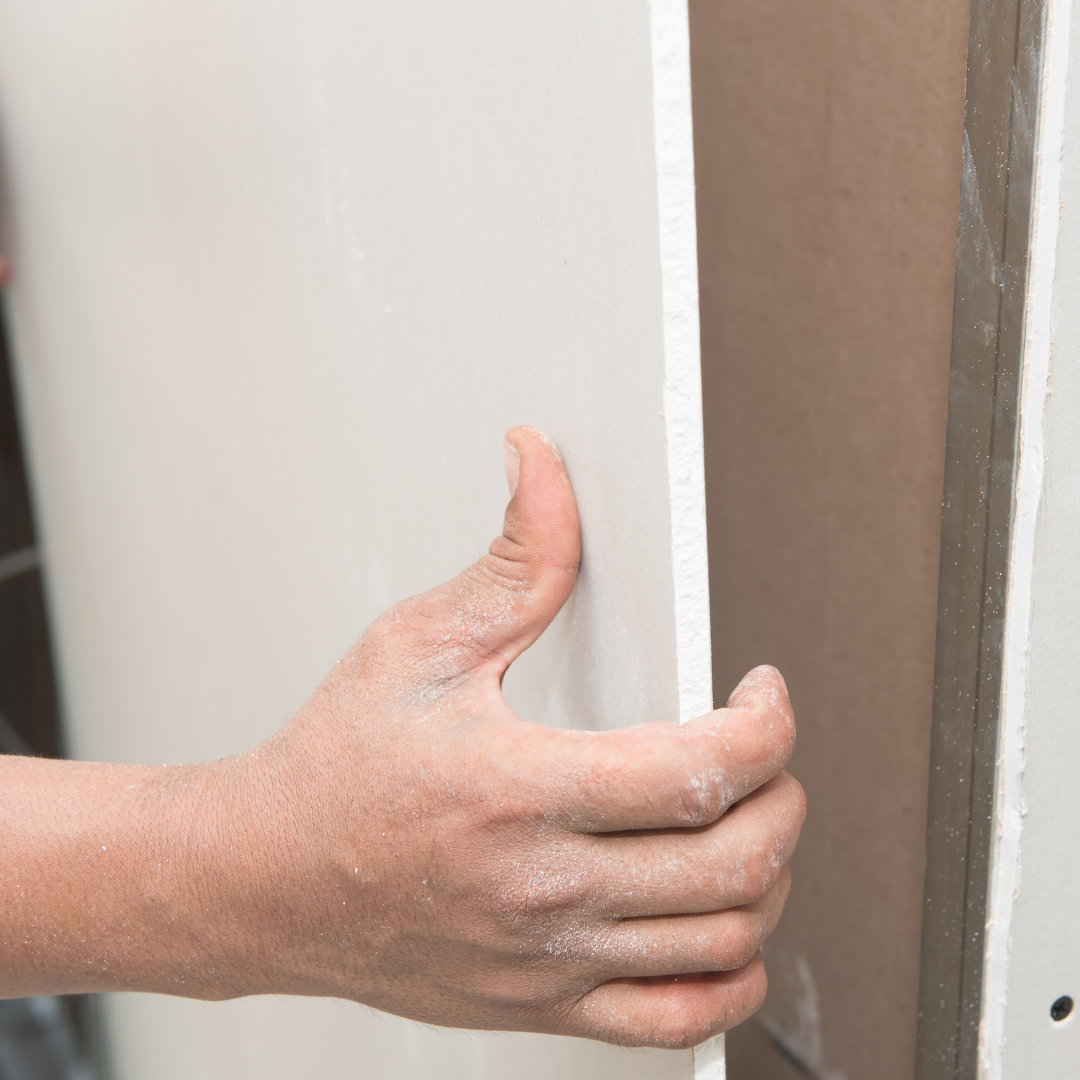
(1004, 63)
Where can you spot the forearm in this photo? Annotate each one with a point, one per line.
(409, 842)
(100, 883)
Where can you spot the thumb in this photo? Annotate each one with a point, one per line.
(492, 612)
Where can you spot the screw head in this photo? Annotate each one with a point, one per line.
(1061, 1008)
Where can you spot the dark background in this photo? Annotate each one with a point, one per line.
(42, 1038)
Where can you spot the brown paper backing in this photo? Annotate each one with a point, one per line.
(828, 147)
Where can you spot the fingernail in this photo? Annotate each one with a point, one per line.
(512, 464)
(752, 682)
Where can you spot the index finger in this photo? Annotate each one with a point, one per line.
(660, 775)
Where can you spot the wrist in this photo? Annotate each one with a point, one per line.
(104, 880)
(204, 901)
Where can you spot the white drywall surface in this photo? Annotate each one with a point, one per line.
(286, 271)
(1032, 935)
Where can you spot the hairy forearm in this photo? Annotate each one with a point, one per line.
(98, 873)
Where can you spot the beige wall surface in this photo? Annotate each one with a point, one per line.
(828, 140)
(285, 273)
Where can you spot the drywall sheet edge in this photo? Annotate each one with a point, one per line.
(1008, 799)
(682, 351)
(1031, 941)
(682, 382)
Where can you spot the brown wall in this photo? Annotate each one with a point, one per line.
(828, 155)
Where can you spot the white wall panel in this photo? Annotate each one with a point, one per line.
(1033, 937)
(286, 271)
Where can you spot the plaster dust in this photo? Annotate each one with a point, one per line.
(828, 148)
(286, 274)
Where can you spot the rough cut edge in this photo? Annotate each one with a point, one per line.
(709, 1061)
(674, 136)
(1035, 384)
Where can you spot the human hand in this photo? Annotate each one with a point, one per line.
(407, 841)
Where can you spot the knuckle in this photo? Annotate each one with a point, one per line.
(761, 869)
(750, 996)
(785, 801)
(780, 726)
(380, 638)
(789, 800)
(396, 639)
(798, 797)
(506, 566)
(699, 795)
(698, 801)
(741, 943)
(519, 559)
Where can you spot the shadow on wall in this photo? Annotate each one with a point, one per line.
(45, 1038)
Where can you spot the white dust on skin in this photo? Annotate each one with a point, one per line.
(548, 442)
(435, 642)
(729, 782)
(429, 645)
(722, 757)
(762, 682)
(453, 630)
